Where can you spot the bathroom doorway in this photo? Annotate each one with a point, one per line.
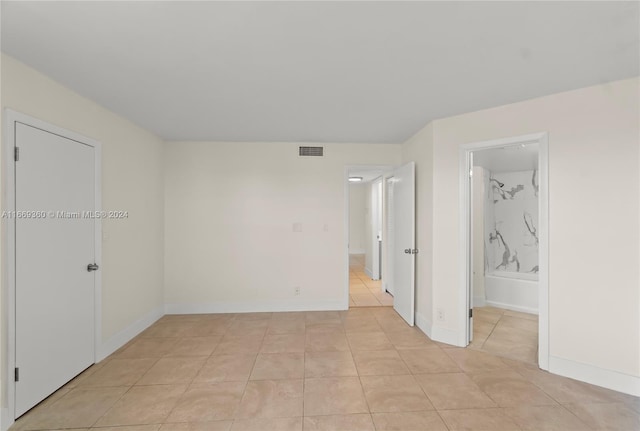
(505, 221)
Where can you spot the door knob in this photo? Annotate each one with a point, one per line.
(407, 250)
(92, 267)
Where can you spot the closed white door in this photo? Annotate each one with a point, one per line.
(54, 292)
(404, 241)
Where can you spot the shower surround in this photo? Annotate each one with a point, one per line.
(511, 222)
(511, 240)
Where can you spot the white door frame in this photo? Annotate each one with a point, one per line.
(9, 245)
(543, 231)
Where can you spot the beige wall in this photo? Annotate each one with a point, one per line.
(357, 231)
(594, 295)
(132, 180)
(230, 210)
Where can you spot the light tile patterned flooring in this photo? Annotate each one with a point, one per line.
(363, 291)
(362, 369)
(506, 333)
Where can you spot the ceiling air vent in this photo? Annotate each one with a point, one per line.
(311, 151)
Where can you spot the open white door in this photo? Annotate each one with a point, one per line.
(376, 228)
(388, 277)
(55, 242)
(404, 241)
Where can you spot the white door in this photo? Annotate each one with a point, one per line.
(404, 241)
(54, 292)
(388, 277)
(376, 228)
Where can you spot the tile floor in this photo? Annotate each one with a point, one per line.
(362, 369)
(506, 333)
(363, 291)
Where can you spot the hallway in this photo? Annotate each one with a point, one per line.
(363, 291)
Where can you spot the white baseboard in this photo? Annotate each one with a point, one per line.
(437, 333)
(127, 334)
(445, 335)
(479, 301)
(423, 324)
(368, 272)
(511, 307)
(609, 379)
(252, 307)
(357, 251)
(613, 380)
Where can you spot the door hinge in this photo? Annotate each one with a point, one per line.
(470, 173)
(470, 312)
(16, 153)
(16, 374)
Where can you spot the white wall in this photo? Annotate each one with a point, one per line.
(132, 180)
(230, 211)
(357, 231)
(594, 301)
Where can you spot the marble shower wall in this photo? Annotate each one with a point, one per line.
(511, 222)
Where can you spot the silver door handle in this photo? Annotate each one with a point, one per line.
(92, 267)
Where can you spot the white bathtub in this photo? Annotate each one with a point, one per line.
(512, 290)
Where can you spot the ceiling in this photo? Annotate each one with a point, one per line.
(318, 71)
(514, 158)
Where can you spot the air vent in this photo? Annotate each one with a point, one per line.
(311, 151)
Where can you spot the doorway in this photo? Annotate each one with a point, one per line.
(504, 220)
(367, 239)
(53, 255)
(395, 236)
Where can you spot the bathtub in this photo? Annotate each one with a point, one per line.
(515, 291)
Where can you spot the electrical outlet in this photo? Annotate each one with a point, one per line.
(296, 291)
(440, 314)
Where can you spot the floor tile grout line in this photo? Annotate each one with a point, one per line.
(188, 386)
(111, 407)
